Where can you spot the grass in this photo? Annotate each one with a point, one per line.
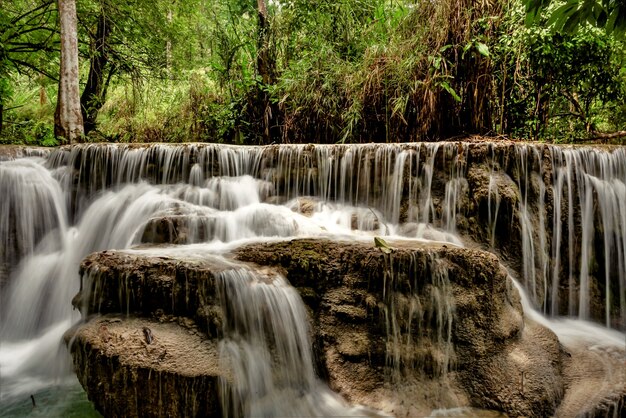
(29, 116)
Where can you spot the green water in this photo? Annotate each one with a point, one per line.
(67, 401)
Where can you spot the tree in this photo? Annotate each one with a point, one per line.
(138, 40)
(68, 119)
(28, 33)
(569, 16)
(27, 36)
(98, 79)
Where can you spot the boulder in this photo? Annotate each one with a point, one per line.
(144, 283)
(138, 367)
(425, 327)
(408, 330)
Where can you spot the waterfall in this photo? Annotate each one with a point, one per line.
(32, 206)
(411, 345)
(267, 347)
(594, 183)
(556, 215)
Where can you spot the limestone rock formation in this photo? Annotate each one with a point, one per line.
(525, 201)
(459, 329)
(427, 326)
(145, 284)
(143, 367)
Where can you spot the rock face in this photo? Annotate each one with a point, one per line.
(146, 367)
(420, 328)
(145, 285)
(11, 152)
(445, 320)
(595, 378)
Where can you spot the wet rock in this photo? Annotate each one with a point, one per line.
(496, 193)
(595, 378)
(524, 375)
(124, 376)
(303, 205)
(374, 323)
(354, 343)
(11, 152)
(178, 229)
(141, 283)
(427, 326)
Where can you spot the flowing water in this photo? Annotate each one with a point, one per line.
(568, 204)
(267, 346)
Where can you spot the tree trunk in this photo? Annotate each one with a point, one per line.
(600, 136)
(264, 61)
(93, 95)
(266, 112)
(68, 120)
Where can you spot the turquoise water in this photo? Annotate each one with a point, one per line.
(66, 401)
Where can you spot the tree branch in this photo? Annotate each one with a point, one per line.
(20, 17)
(575, 103)
(16, 34)
(32, 67)
(561, 115)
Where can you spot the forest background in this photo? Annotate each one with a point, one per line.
(325, 71)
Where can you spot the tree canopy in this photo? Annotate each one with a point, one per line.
(262, 71)
(569, 15)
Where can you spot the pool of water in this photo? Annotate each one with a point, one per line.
(67, 400)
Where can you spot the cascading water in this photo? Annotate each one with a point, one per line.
(589, 345)
(58, 208)
(267, 347)
(33, 205)
(412, 344)
(594, 184)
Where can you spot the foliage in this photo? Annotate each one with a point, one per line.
(320, 70)
(28, 118)
(28, 35)
(570, 15)
(557, 85)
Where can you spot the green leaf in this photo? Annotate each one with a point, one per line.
(482, 49)
(559, 15)
(449, 89)
(534, 9)
(382, 244)
(610, 25)
(572, 24)
(602, 19)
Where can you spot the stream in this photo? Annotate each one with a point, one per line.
(565, 206)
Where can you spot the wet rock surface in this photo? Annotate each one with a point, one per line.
(426, 326)
(10, 152)
(595, 381)
(143, 367)
(477, 355)
(142, 284)
(179, 225)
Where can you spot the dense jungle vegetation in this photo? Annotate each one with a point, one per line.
(257, 72)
